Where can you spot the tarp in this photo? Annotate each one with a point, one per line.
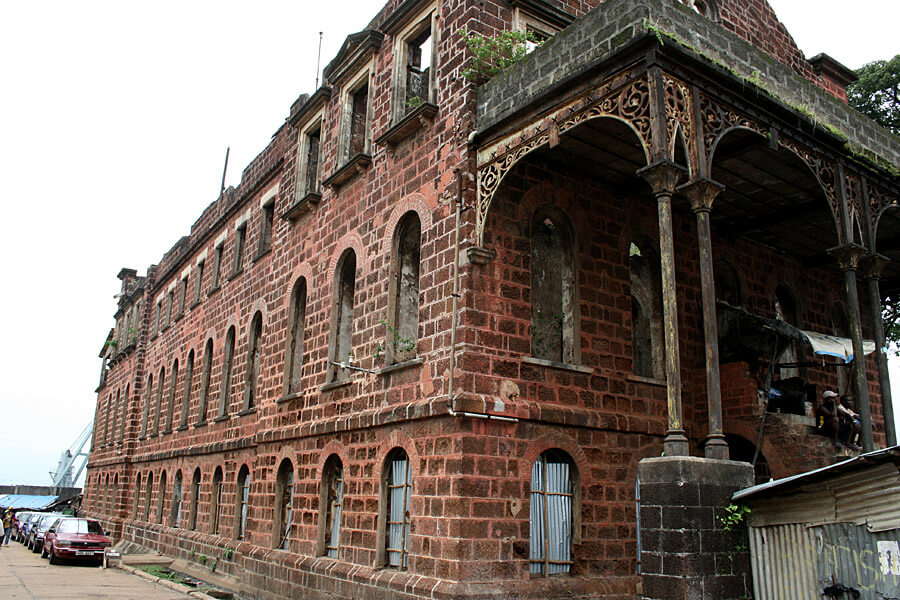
(839, 347)
(18, 501)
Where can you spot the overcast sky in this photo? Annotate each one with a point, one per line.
(114, 119)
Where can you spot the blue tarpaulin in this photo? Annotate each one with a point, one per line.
(21, 501)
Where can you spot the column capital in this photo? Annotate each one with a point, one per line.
(701, 193)
(871, 265)
(662, 176)
(847, 256)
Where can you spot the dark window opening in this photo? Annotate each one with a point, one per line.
(227, 360)
(552, 287)
(294, 357)
(401, 338)
(311, 177)
(358, 121)
(333, 481)
(343, 316)
(204, 383)
(254, 358)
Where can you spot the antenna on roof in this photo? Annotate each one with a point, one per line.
(318, 61)
(224, 171)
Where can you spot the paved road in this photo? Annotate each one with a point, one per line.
(26, 576)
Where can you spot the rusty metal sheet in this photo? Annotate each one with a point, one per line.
(853, 556)
(783, 559)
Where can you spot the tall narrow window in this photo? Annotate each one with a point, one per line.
(147, 400)
(199, 281)
(311, 174)
(254, 359)
(170, 308)
(553, 298)
(647, 333)
(215, 501)
(175, 509)
(107, 414)
(342, 316)
(551, 514)
(265, 227)
(195, 498)
(332, 503)
(359, 107)
(402, 336)
(124, 412)
(293, 364)
(786, 310)
(242, 504)
(398, 479)
(216, 274)
(148, 496)
(840, 327)
(418, 68)
(227, 359)
(171, 410)
(115, 496)
(188, 384)
(159, 399)
(204, 383)
(240, 235)
(284, 504)
(135, 511)
(160, 508)
(182, 293)
(157, 317)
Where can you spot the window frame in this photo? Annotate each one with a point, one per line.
(389, 496)
(424, 20)
(331, 502)
(348, 92)
(544, 561)
(296, 338)
(242, 503)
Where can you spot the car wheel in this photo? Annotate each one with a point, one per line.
(53, 559)
(35, 548)
(43, 553)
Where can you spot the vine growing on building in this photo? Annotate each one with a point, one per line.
(492, 54)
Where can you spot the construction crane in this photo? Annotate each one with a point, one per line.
(63, 476)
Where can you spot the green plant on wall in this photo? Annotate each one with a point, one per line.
(414, 102)
(492, 54)
(401, 348)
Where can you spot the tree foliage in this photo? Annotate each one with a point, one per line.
(876, 93)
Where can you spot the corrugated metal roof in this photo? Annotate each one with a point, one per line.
(22, 501)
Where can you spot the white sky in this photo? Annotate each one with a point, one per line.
(114, 119)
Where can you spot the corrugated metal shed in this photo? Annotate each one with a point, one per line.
(18, 501)
(835, 529)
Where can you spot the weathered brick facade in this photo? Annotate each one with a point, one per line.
(163, 415)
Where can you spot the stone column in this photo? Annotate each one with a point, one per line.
(702, 193)
(870, 267)
(848, 257)
(663, 176)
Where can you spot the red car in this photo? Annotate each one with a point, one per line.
(73, 538)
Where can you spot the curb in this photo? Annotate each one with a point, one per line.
(177, 587)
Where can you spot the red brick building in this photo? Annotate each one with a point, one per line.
(422, 347)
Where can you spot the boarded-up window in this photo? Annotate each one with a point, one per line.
(333, 482)
(216, 501)
(294, 351)
(188, 384)
(204, 384)
(227, 360)
(551, 514)
(195, 498)
(242, 505)
(399, 486)
(359, 108)
(254, 357)
(175, 515)
(552, 287)
(342, 315)
(284, 504)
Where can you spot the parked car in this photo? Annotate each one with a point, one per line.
(19, 520)
(26, 524)
(75, 538)
(39, 529)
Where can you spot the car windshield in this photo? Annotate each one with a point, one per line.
(79, 526)
(47, 521)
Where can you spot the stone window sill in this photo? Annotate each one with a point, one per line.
(335, 385)
(221, 418)
(166, 431)
(235, 274)
(178, 317)
(551, 364)
(200, 424)
(262, 253)
(302, 206)
(247, 411)
(647, 380)
(400, 366)
(182, 427)
(289, 397)
(357, 165)
(195, 304)
(213, 290)
(417, 118)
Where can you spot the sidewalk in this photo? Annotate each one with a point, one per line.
(26, 576)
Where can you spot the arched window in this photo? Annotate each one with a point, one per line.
(647, 342)
(115, 496)
(227, 360)
(840, 327)
(195, 498)
(254, 359)
(404, 293)
(107, 417)
(786, 310)
(215, 501)
(146, 416)
(148, 496)
(124, 410)
(162, 498)
(242, 503)
(135, 510)
(397, 486)
(175, 509)
(342, 316)
(159, 399)
(204, 384)
(188, 384)
(171, 410)
(553, 287)
(330, 507)
(551, 521)
(284, 504)
(728, 284)
(293, 364)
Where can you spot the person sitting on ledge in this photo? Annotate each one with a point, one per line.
(850, 420)
(828, 420)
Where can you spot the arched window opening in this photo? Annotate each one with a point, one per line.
(840, 327)
(136, 506)
(786, 310)
(331, 503)
(171, 410)
(160, 508)
(403, 332)
(294, 352)
(242, 505)
(728, 284)
(195, 499)
(216, 501)
(148, 496)
(115, 496)
(175, 509)
(124, 411)
(647, 341)
(742, 450)
(159, 399)
(147, 399)
(553, 287)
(552, 504)
(254, 359)
(188, 384)
(342, 317)
(398, 487)
(284, 504)
(204, 383)
(227, 360)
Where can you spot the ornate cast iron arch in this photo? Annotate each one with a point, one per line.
(880, 202)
